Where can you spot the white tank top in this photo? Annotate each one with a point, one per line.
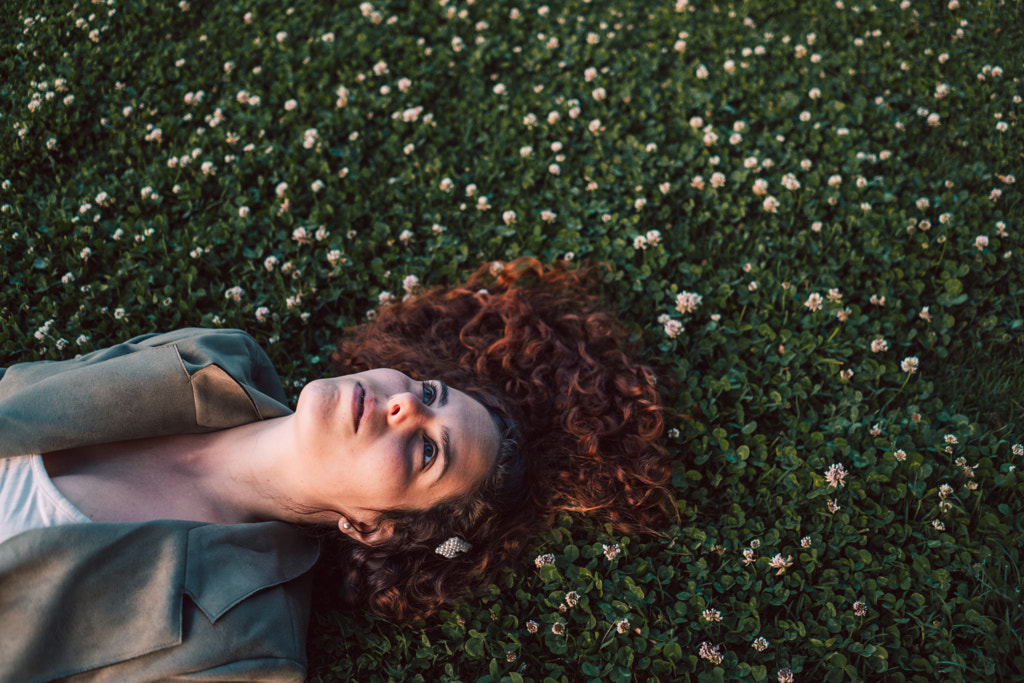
(29, 500)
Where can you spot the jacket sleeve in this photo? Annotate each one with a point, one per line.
(189, 380)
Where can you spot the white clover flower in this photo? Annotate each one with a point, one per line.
(879, 345)
(770, 204)
(980, 242)
(909, 364)
(760, 187)
(836, 476)
(780, 563)
(688, 302)
(542, 560)
(805, 542)
(702, 72)
(119, 313)
(410, 283)
(711, 615)
(760, 644)
(710, 652)
(717, 179)
(234, 293)
(509, 217)
(673, 328)
(814, 301)
(262, 313)
(281, 189)
(835, 181)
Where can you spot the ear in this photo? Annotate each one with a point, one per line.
(372, 535)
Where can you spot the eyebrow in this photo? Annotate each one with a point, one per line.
(444, 394)
(449, 453)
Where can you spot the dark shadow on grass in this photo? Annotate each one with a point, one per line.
(985, 385)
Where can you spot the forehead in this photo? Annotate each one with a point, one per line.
(475, 439)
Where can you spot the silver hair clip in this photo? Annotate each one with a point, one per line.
(453, 547)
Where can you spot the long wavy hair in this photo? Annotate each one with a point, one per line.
(580, 422)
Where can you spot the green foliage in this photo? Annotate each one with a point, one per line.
(155, 155)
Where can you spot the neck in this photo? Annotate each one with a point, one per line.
(246, 471)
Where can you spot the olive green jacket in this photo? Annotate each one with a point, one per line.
(165, 600)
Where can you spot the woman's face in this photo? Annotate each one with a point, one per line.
(379, 440)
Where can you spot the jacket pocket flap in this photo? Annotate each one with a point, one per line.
(228, 563)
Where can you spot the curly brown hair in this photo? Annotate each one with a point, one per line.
(581, 424)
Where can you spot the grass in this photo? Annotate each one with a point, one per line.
(155, 156)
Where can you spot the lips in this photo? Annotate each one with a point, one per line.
(358, 397)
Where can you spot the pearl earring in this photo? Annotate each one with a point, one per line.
(346, 526)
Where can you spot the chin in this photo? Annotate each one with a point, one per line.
(320, 399)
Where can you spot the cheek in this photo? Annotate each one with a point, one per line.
(387, 463)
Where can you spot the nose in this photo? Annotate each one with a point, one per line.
(405, 410)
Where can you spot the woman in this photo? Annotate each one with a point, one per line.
(429, 489)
